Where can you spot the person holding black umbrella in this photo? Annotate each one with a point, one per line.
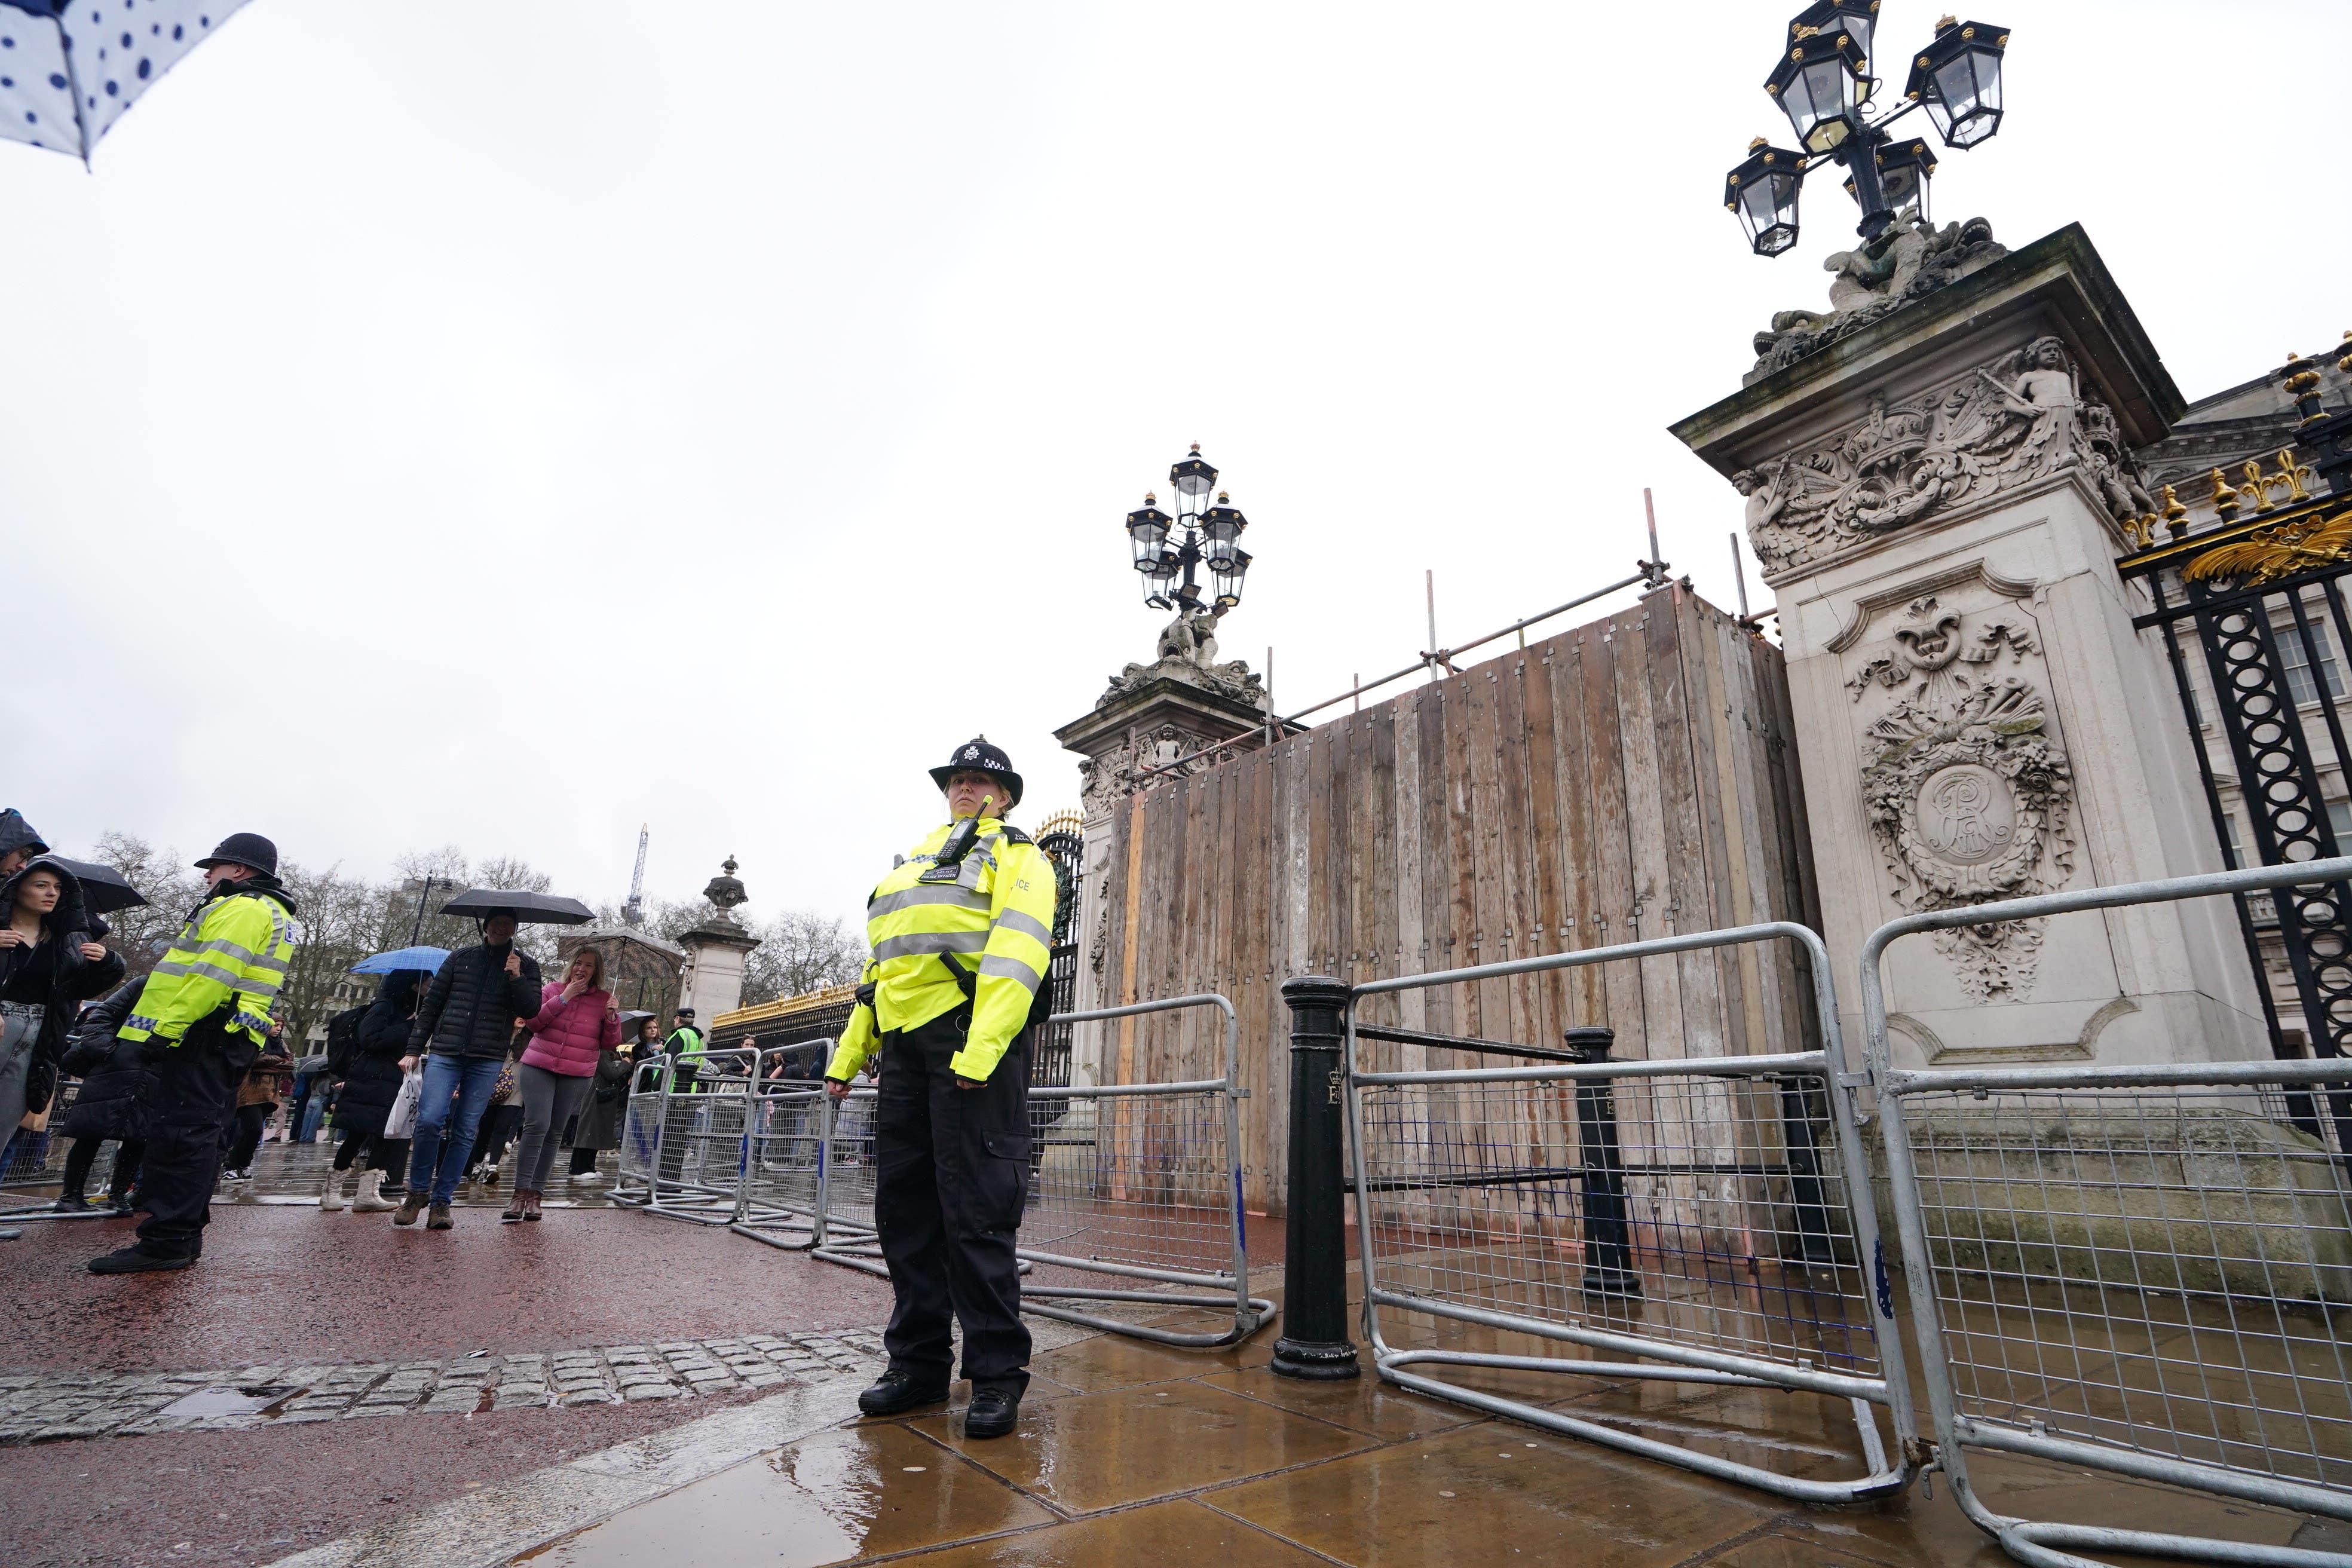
(462, 1030)
(48, 967)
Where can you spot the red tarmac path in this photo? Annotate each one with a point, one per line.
(285, 1285)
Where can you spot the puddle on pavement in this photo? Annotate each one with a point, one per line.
(861, 1492)
(256, 1400)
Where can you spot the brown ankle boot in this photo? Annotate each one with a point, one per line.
(440, 1218)
(410, 1208)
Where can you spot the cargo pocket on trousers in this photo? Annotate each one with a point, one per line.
(1006, 1145)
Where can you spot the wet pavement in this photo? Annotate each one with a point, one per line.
(507, 1356)
(1131, 1452)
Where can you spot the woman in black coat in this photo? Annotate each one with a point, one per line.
(48, 967)
(117, 1086)
(368, 1092)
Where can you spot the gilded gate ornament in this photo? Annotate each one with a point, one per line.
(2268, 554)
(1969, 794)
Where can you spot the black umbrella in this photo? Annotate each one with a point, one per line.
(104, 890)
(530, 908)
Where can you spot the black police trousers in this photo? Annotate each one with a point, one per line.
(196, 1100)
(951, 1171)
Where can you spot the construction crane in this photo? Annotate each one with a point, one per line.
(633, 912)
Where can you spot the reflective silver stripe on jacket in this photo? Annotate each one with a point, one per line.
(1012, 969)
(1027, 925)
(206, 971)
(937, 893)
(237, 950)
(920, 943)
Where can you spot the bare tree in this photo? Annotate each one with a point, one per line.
(801, 950)
(342, 918)
(171, 887)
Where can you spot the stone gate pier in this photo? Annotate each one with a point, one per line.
(1938, 475)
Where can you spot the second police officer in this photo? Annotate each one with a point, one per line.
(961, 932)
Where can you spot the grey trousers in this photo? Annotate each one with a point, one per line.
(20, 1032)
(550, 1101)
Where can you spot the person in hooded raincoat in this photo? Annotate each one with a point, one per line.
(48, 966)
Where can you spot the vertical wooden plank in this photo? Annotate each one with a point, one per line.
(1645, 838)
(1439, 877)
(1379, 931)
(1548, 898)
(1615, 900)
(1514, 843)
(1678, 661)
(1413, 939)
(1461, 829)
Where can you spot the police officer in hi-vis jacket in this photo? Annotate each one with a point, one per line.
(961, 931)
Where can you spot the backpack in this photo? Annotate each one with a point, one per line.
(344, 1042)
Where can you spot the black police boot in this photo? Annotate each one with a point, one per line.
(902, 1391)
(72, 1202)
(993, 1412)
(140, 1259)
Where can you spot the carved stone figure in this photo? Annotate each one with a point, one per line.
(2019, 419)
(1970, 796)
(1908, 261)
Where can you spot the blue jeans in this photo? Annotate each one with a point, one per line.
(443, 1133)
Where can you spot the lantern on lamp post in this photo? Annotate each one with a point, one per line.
(1822, 82)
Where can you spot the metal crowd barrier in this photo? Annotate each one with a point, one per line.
(641, 1125)
(1139, 1182)
(1706, 1220)
(783, 1153)
(2140, 1270)
(698, 1147)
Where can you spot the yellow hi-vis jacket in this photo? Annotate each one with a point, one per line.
(237, 944)
(995, 921)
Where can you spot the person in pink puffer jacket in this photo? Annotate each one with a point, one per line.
(577, 1017)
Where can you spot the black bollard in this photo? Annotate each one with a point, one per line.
(1315, 1341)
(1608, 1240)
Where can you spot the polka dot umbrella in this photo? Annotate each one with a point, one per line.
(68, 68)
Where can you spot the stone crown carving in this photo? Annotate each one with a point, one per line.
(2020, 419)
(1910, 260)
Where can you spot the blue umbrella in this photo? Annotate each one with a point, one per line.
(70, 67)
(427, 959)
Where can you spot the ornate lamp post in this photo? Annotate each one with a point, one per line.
(1824, 84)
(1199, 533)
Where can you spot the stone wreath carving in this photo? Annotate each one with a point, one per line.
(1968, 794)
(1910, 260)
(2018, 419)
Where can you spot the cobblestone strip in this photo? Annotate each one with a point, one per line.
(48, 1408)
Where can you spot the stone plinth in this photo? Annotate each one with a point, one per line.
(716, 951)
(1155, 715)
(1938, 498)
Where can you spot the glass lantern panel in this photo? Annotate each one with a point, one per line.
(1825, 84)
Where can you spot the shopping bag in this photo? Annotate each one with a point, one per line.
(401, 1121)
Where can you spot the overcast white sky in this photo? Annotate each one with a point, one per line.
(505, 423)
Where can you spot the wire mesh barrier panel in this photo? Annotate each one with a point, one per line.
(699, 1156)
(641, 1126)
(32, 1159)
(2144, 1270)
(783, 1151)
(1133, 1185)
(1704, 1221)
